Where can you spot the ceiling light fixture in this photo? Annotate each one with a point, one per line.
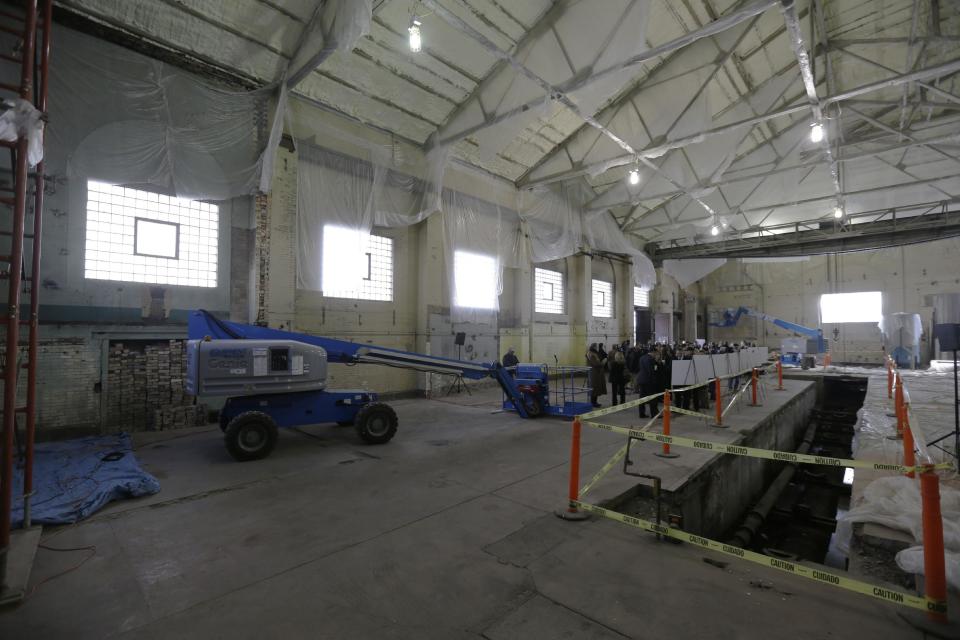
(634, 176)
(816, 132)
(416, 42)
(838, 212)
(714, 230)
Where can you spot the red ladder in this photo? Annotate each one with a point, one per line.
(31, 62)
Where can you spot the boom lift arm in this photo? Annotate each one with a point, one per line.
(731, 318)
(203, 324)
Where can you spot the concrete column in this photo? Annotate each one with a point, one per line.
(624, 297)
(431, 290)
(581, 302)
(282, 213)
(524, 315)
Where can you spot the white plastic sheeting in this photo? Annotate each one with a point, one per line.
(686, 272)
(902, 329)
(124, 118)
(895, 502)
(22, 119)
(358, 194)
(482, 229)
(559, 227)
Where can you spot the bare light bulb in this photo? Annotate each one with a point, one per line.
(634, 176)
(838, 213)
(416, 43)
(714, 230)
(816, 132)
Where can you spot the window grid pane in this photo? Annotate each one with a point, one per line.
(357, 266)
(549, 291)
(111, 235)
(641, 297)
(602, 299)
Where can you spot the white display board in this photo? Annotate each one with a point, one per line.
(720, 367)
(764, 355)
(681, 373)
(703, 368)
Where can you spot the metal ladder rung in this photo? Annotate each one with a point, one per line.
(10, 233)
(9, 201)
(16, 32)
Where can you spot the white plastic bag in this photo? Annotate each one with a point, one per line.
(22, 119)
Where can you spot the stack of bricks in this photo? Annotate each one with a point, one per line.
(146, 387)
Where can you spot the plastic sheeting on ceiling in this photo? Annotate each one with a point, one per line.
(697, 114)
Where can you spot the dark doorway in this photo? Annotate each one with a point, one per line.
(644, 323)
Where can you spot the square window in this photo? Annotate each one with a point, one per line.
(602, 299)
(475, 280)
(155, 238)
(548, 289)
(355, 265)
(862, 306)
(134, 235)
(641, 297)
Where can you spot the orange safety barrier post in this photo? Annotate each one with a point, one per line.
(934, 572)
(898, 406)
(571, 512)
(753, 385)
(909, 459)
(666, 428)
(718, 395)
(780, 374)
(889, 379)
(574, 465)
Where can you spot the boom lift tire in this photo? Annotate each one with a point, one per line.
(376, 423)
(252, 435)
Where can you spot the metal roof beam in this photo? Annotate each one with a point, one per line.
(583, 80)
(812, 241)
(544, 23)
(658, 150)
(795, 36)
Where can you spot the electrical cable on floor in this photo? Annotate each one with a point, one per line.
(91, 548)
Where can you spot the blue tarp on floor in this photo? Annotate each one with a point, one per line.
(74, 478)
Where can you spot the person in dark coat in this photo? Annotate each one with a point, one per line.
(618, 375)
(598, 380)
(648, 383)
(510, 358)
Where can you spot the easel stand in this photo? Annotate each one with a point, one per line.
(458, 383)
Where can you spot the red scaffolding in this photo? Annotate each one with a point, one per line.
(28, 24)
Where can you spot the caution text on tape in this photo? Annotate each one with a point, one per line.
(819, 575)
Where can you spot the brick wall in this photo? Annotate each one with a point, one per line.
(68, 377)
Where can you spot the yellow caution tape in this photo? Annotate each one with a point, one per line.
(619, 407)
(768, 454)
(687, 412)
(622, 451)
(819, 575)
(635, 403)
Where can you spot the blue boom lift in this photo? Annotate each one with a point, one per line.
(275, 378)
(815, 342)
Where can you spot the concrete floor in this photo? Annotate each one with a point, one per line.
(446, 532)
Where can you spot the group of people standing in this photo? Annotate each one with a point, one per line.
(649, 369)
